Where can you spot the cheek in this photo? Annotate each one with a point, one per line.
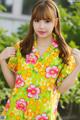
(50, 27)
(35, 26)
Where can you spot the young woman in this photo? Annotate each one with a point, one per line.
(41, 67)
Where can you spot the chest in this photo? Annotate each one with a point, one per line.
(47, 61)
(42, 50)
(40, 70)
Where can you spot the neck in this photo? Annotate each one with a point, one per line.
(44, 41)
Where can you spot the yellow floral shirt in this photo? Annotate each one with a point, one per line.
(35, 96)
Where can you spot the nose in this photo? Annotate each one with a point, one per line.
(41, 24)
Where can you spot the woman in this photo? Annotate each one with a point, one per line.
(41, 67)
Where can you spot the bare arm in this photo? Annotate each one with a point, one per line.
(70, 80)
(9, 75)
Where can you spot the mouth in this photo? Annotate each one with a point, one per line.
(42, 32)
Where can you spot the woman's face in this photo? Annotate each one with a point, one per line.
(43, 28)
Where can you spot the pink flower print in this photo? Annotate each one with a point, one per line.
(33, 91)
(31, 58)
(19, 81)
(7, 105)
(34, 49)
(42, 117)
(21, 104)
(51, 72)
(54, 43)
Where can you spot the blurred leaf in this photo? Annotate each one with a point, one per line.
(2, 8)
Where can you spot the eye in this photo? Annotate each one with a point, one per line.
(47, 21)
(36, 20)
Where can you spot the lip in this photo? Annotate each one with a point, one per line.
(41, 32)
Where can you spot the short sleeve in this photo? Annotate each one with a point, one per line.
(13, 61)
(66, 70)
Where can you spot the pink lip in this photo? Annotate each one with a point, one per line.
(41, 32)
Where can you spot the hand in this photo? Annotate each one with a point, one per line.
(76, 54)
(7, 52)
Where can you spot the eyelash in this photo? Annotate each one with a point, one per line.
(36, 20)
(47, 21)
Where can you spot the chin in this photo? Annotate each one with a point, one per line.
(42, 36)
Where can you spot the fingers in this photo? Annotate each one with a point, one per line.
(11, 51)
(8, 52)
(11, 48)
(75, 51)
(76, 54)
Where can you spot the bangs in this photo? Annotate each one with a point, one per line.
(43, 13)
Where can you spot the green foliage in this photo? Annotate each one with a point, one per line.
(72, 96)
(22, 31)
(6, 40)
(70, 22)
(2, 8)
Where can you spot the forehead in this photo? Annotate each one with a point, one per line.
(43, 12)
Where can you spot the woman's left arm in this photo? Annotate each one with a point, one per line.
(69, 81)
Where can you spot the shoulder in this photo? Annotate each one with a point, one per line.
(17, 45)
(72, 59)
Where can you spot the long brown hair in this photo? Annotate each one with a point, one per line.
(45, 9)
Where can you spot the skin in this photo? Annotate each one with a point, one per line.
(70, 80)
(43, 30)
(4, 55)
